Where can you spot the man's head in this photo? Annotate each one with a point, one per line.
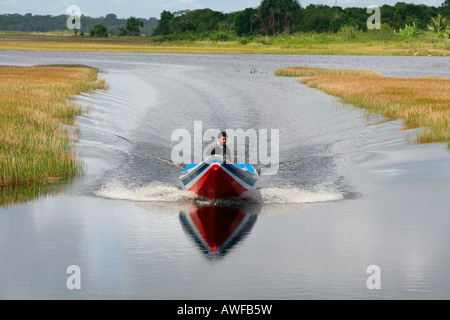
(222, 138)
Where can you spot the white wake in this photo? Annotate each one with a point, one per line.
(157, 192)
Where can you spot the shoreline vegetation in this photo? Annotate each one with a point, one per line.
(422, 102)
(346, 42)
(37, 135)
(272, 27)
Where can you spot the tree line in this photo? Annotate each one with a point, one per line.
(110, 24)
(277, 16)
(271, 17)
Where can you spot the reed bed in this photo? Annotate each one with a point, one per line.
(422, 102)
(309, 72)
(342, 43)
(37, 140)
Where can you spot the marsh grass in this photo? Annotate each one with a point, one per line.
(36, 116)
(345, 42)
(422, 102)
(308, 72)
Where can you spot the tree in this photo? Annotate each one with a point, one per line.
(132, 26)
(278, 15)
(164, 24)
(111, 17)
(99, 30)
(409, 31)
(244, 21)
(439, 24)
(445, 8)
(254, 19)
(319, 22)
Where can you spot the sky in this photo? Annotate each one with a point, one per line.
(153, 8)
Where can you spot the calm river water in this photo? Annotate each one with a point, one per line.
(363, 194)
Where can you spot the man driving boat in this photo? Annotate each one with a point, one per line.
(217, 147)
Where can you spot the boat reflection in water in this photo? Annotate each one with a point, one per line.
(216, 229)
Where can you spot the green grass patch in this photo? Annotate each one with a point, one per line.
(37, 138)
(348, 41)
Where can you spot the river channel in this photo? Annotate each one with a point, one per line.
(359, 191)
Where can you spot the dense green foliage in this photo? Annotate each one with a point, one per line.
(38, 23)
(278, 16)
(271, 17)
(132, 27)
(439, 24)
(197, 21)
(99, 30)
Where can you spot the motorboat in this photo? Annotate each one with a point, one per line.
(215, 178)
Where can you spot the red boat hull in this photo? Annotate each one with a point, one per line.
(217, 184)
(213, 179)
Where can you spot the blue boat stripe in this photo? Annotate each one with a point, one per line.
(195, 175)
(230, 168)
(245, 166)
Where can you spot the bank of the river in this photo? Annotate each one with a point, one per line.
(422, 102)
(311, 44)
(36, 116)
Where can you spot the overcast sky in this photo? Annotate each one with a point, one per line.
(153, 8)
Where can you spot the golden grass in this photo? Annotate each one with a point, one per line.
(308, 72)
(422, 102)
(55, 42)
(36, 115)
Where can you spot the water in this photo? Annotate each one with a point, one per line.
(361, 194)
